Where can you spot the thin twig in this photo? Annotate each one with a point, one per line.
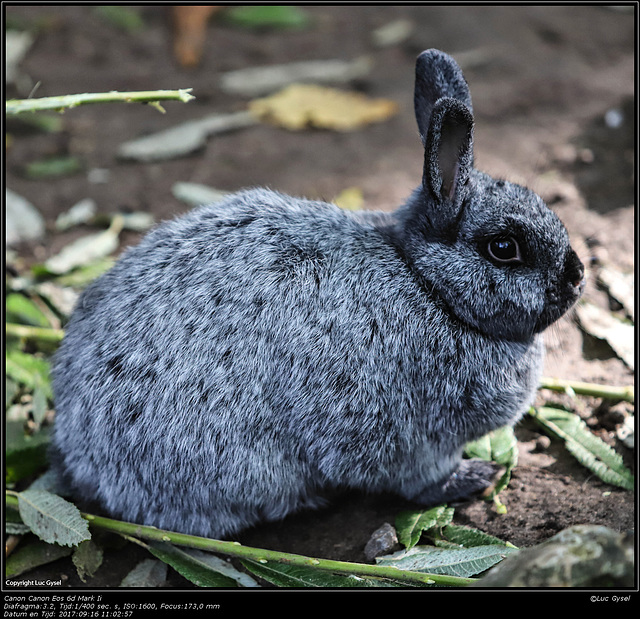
(64, 102)
(257, 554)
(601, 391)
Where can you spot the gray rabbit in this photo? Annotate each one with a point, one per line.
(247, 358)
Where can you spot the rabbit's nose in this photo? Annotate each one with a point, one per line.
(574, 271)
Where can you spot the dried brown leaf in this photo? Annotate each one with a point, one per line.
(190, 23)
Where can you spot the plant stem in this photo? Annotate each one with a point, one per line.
(602, 391)
(257, 554)
(18, 106)
(34, 333)
(235, 549)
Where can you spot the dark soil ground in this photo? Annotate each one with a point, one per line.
(542, 78)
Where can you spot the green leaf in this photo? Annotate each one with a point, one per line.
(47, 481)
(148, 573)
(87, 558)
(82, 275)
(39, 409)
(480, 448)
(267, 16)
(121, 17)
(12, 515)
(293, 576)
(33, 372)
(469, 537)
(586, 447)
(220, 565)
(23, 310)
(193, 567)
(11, 389)
(16, 528)
(28, 370)
(463, 562)
(25, 453)
(33, 555)
(52, 519)
(53, 167)
(500, 446)
(48, 123)
(411, 524)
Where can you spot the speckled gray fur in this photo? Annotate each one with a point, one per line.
(254, 353)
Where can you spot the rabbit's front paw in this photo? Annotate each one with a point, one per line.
(470, 478)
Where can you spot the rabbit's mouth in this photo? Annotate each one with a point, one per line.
(559, 301)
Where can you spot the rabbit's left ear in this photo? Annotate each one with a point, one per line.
(438, 76)
(448, 156)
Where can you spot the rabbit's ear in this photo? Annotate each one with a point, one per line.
(448, 156)
(437, 76)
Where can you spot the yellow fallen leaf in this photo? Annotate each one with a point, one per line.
(301, 105)
(350, 199)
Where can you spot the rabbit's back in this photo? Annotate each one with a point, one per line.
(213, 360)
(248, 355)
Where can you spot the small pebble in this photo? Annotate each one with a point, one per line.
(614, 118)
(542, 443)
(382, 542)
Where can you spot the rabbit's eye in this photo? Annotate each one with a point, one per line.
(504, 249)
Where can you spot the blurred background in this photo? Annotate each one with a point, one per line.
(540, 76)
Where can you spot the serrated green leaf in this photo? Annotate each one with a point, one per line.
(586, 447)
(33, 555)
(192, 567)
(463, 562)
(52, 519)
(16, 528)
(295, 576)
(604, 472)
(469, 537)
(411, 524)
(87, 557)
